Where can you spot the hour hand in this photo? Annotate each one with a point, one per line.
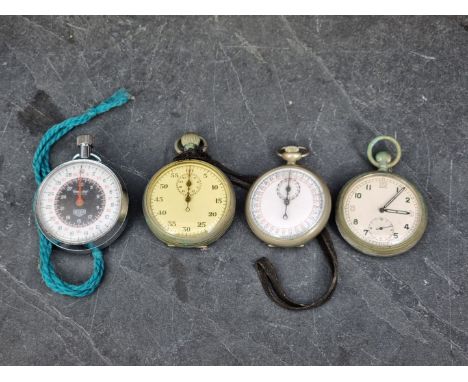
(401, 212)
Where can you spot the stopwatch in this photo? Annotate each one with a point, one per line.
(380, 213)
(82, 204)
(288, 205)
(189, 202)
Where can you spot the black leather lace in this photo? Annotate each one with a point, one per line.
(265, 269)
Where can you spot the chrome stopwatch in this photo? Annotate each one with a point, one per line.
(289, 205)
(82, 204)
(380, 213)
(189, 202)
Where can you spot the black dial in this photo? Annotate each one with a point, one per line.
(79, 202)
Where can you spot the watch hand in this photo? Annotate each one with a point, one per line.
(79, 199)
(187, 197)
(286, 200)
(392, 199)
(381, 228)
(401, 212)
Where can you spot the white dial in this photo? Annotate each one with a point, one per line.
(287, 202)
(382, 210)
(79, 202)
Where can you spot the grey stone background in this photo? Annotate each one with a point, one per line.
(249, 85)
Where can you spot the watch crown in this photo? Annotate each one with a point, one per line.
(190, 141)
(85, 139)
(85, 142)
(291, 154)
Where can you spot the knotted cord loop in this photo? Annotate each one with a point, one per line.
(41, 168)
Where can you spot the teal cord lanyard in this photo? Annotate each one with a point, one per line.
(41, 168)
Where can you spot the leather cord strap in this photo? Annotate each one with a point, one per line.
(272, 285)
(265, 269)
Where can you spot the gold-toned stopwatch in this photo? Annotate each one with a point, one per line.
(189, 202)
(82, 204)
(288, 205)
(380, 213)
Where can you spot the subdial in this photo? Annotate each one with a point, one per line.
(381, 229)
(79, 202)
(291, 193)
(188, 185)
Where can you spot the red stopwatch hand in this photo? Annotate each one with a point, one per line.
(79, 198)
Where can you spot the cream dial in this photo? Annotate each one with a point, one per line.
(381, 210)
(189, 203)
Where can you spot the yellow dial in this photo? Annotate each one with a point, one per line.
(189, 203)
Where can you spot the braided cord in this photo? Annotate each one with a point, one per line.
(41, 168)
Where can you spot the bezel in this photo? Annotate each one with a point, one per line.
(302, 239)
(108, 236)
(196, 241)
(366, 247)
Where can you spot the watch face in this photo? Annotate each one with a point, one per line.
(287, 204)
(382, 211)
(79, 202)
(190, 202)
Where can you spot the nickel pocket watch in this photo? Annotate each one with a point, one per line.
(82, 204)
(380, 213)
(189, 202)
(288, 205)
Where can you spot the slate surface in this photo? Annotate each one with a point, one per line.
(249, 85)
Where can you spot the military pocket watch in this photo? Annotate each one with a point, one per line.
(380, 213)
(189, 202)
(288, 205)
(82, 204)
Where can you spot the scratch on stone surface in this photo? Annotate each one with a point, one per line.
(317, 121)
(373, 357)
(422, 55)
(428, 155)
(65, 344)
(230, 352)
(77, 27)
(440, 272)
(134, 171)
(213, 94)
(244, 98)
(54, 69)
(44, 29)
(252, 49)
(59, 316)
(6, 125)
(285, 107)
(317, 24)
(142, 279)
(94, 312)
(302, 47)
(449, 240)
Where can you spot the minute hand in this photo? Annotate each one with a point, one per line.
(392, 199)
(401, 212)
